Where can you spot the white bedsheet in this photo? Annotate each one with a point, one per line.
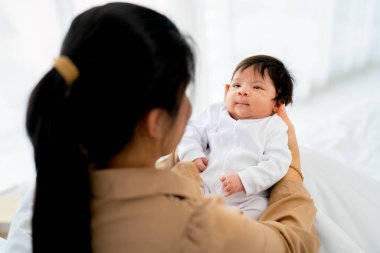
(348, 216)
(339, 134)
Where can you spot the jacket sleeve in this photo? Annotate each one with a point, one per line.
(285, 226)
(275, 162)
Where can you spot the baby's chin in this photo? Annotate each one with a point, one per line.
(242, 114)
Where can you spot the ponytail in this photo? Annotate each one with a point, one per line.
(61, 206)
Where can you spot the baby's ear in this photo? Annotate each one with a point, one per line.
(226, 89)
(277, 105)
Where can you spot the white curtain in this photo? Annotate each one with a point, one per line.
(320, 42)
(30, 35)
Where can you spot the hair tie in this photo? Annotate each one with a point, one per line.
(66, 68)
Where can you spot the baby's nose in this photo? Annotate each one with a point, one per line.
(244, 91)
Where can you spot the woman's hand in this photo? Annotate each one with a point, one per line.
(293, 146)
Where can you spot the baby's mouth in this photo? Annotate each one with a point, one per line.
(242, 103)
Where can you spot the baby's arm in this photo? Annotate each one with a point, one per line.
(193, 144)
(275, 163)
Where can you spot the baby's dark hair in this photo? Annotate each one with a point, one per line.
(283, 80)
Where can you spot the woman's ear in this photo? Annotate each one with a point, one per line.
(156, 123)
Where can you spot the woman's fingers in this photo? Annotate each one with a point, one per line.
(292, 139)
(293, 146)
(283, 115)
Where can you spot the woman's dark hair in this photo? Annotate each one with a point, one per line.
(131, 59)
(283, 81)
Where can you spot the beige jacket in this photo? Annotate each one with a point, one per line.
(152, 210)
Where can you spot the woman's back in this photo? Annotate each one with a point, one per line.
(141, 210)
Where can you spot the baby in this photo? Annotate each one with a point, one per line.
(240, 146)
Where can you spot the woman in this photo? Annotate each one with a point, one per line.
(112, 105)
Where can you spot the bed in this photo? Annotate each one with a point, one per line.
(339, 135)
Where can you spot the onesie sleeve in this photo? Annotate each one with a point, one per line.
(275, 162)
(194, 141)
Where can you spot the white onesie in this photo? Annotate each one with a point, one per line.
(257, 149)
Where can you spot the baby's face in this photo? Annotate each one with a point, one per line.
(250, 96)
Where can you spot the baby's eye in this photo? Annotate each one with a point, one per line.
(236, 85)
(257, 88)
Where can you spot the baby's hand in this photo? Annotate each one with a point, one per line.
(231, 183)
(201, 163)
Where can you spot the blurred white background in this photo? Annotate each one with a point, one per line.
(325, 44)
